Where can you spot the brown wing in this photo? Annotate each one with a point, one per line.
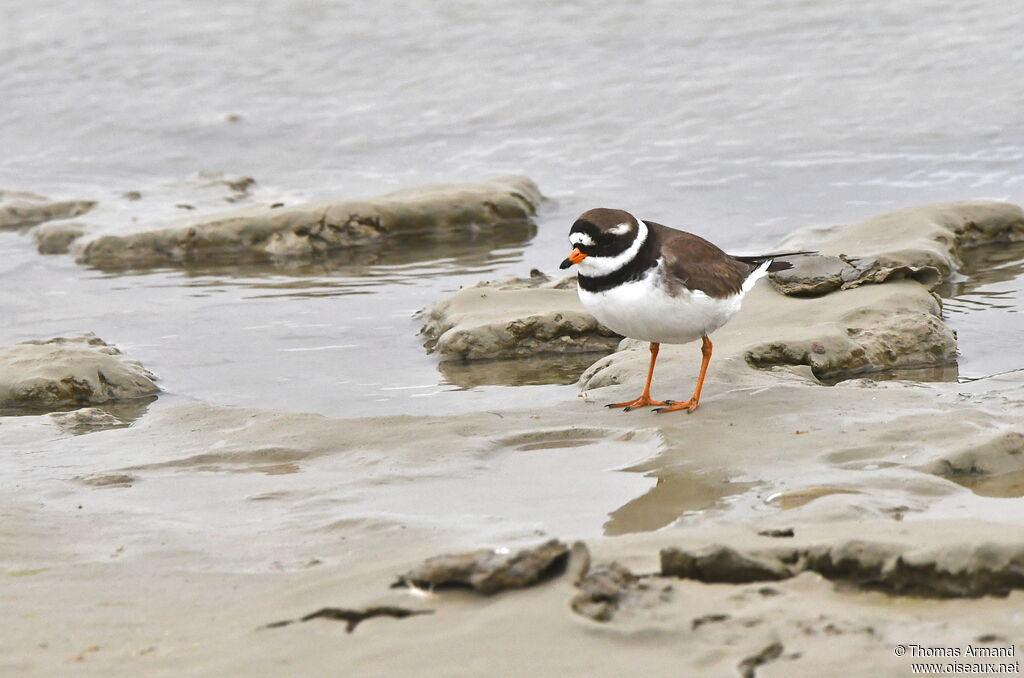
(695, 263)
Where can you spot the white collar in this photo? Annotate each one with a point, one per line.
(598, 267)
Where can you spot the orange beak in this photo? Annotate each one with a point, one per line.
(574, 257)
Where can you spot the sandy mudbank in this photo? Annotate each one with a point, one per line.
(22, 210)
(289, 230)
(842, 335)
(300, 537)
(907, 242)
(975, 562)
(516, 318)
(880, 327)
(921, 243)
(74, 370)
(304, 507)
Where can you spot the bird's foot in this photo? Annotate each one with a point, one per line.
(672, 406)
(642, 401)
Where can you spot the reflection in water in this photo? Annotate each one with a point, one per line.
(674, 493)
(984, 306)
(984, 267)
(931, 373)
(1004, 485)
(561, 369)
(124, 411)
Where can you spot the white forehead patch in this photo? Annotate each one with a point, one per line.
(621, 229)
(578, 239)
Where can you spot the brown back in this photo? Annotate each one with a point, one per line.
(695, 263)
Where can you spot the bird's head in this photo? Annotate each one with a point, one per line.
(604, 240)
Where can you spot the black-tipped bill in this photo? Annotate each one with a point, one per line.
(574, 258)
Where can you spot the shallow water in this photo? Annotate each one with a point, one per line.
(739, 121)
(985, 305)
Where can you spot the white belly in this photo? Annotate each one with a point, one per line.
(644, 310)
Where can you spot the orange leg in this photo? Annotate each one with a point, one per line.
(645, 398)
(691, 404)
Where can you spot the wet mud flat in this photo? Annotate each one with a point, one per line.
(786, 525)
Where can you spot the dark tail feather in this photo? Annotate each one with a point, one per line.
(776, 264)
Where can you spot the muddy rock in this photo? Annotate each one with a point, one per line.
(132, 211)
(601, 591)
(963, 570)
(56, 237)
(813, 275)
(578, 565)
(968, 566)
(303, 230)
(74, 370)
(721, 564)
(21, 210)
(923, 243)
(748, 665)
(514, 319)
(777, 533)
(990, 454)
(901, 327)
(489, 571)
